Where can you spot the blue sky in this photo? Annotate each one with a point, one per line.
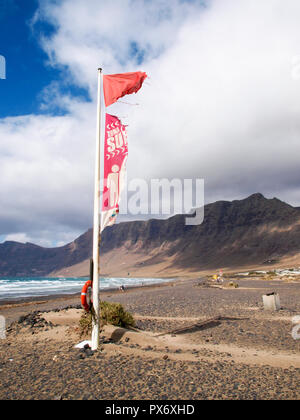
(27, 68)
(26, 73)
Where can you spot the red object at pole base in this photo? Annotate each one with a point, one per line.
(85, 293)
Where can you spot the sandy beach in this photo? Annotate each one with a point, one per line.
(247, 353)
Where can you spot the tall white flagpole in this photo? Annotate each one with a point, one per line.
(96, 234)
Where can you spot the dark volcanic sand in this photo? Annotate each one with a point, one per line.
(33, 368)
(34, 375)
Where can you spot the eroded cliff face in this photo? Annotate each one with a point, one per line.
(250, 231)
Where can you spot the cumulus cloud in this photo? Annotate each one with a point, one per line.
(222, 103)
(47, 173)
(113, 34)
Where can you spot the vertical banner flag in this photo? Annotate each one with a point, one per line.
(115, 159)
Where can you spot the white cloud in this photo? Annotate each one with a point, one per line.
(23, 238)
(47, 172)
(18, 237)
(221, 103)
(102, 33)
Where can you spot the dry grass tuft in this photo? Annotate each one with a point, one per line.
(110, 313)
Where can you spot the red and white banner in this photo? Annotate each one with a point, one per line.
(115, 159)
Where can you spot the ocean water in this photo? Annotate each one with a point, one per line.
(21, 287)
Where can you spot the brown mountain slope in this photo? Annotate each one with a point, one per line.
(234, 234)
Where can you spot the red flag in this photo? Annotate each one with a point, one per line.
(118, 85)
(115, 158)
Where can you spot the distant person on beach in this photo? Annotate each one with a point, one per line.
(220, 279)
(122, 288)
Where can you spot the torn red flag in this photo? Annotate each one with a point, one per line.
(118, 85)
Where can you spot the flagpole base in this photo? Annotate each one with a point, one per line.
(95, 337)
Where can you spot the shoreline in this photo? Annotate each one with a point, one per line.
(14, 308)
(25, 300)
